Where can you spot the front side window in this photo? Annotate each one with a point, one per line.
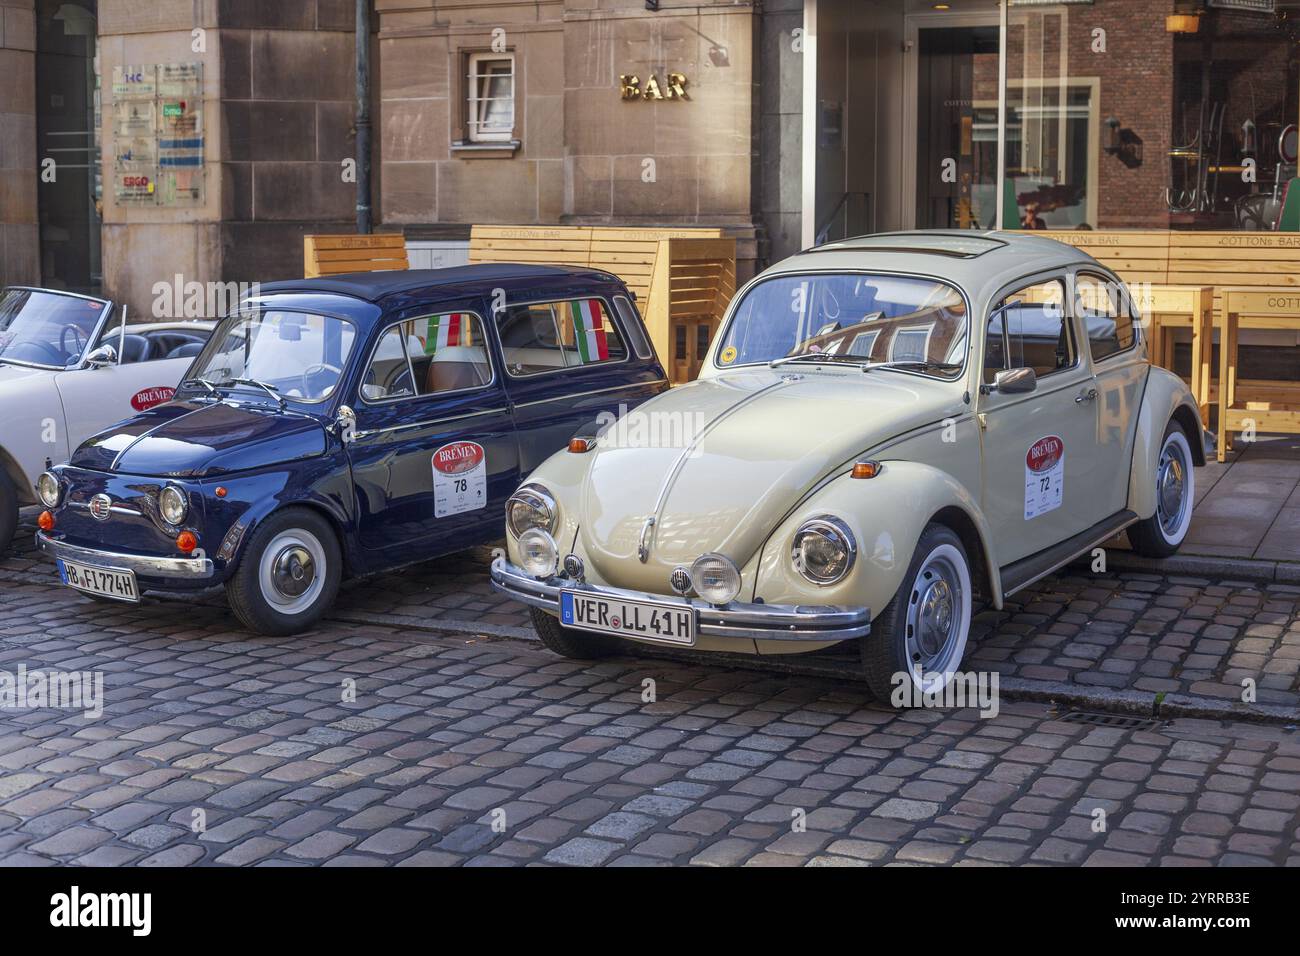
(547, 336)
(854, 317)
(438, 353)
(295, 355)
(45, 328)
(491, 105)
(1108, 323)
(1030, 329)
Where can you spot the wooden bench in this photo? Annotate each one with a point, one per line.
(1168, 307)
(1255, 406)
(682, 278)
(328, 255)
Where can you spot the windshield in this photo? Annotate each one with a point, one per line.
(46, 328)
(855, 317)
(296, 355)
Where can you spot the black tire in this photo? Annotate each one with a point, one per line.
(1162, 534)
(8, 512)
(885, 651)
(267, 611)
(565, 641)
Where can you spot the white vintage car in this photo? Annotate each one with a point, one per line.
(887, 431)
(67, 371)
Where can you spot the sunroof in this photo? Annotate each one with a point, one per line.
(963, 247)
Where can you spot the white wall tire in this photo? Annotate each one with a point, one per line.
(1175, 491)
(288, 575)
(921, 635)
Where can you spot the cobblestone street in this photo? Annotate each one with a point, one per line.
(483, 749)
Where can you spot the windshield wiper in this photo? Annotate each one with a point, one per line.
(269, 389)
(815, 357)
(914, 363)
(201, 381)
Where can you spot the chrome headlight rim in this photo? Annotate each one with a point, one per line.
(546, 566)
(698, 578)
(834, 529)
(43, 483)
(540, 500)
(176, 512)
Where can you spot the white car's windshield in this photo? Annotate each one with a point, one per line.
(46, 328)
(853, 317)
(291, 355)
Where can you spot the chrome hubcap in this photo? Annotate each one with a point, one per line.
(294, 571)
(1171, 488)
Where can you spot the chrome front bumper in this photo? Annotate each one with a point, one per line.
(758, 622)
(186, 569)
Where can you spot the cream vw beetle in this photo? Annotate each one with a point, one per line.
(887, 431)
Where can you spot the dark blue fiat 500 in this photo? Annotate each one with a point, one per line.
(339, 427)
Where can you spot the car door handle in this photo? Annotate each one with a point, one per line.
(1087, 396)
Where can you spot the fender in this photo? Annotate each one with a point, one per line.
(1166, 396)
(886, 514)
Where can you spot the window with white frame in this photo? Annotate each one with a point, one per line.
(911, 345)
(491, 100)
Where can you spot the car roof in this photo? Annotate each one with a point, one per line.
(974, 260)
(373, 286)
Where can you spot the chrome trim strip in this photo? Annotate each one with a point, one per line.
(150, 566)
(119, 509)
(1121, 521)
(143, 435)
(758, 622)
(433, 421)
(595, 391)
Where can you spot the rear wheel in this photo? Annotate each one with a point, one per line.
(567, 642)
(919, 639)
(8, 511)
(289, 574)
(1161, 535)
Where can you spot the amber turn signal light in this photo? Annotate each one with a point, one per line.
(581, 446)
(45, 521)
(186, 542)
(221, 492)
(866, 469)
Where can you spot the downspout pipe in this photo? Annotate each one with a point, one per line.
(364, 224)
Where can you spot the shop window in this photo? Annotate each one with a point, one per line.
(490, 85)
(910, 345)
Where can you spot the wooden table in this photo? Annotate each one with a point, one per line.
(1261, 406)
(1169, 307)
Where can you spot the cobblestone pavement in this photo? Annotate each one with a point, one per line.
(491, 751)
(1151, 633)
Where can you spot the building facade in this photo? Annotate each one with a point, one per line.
(143, 139)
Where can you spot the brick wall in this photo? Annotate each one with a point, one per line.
(19, 239)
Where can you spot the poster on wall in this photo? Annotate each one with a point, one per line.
(158, 134)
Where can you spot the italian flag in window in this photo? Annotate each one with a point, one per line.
(589, 330)
(447, 330)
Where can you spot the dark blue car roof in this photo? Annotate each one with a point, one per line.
(373, 286)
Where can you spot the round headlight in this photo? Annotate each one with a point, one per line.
(49, 489)
(538, 553)
(173, 504)
(823, 550)
(530, 507)
(716, 577)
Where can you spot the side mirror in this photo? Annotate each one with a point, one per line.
(102, 357)
(1015, 381)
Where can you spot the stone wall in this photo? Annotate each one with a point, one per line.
(19, 234)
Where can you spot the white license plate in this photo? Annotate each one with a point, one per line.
(665, 623)
(108, 582)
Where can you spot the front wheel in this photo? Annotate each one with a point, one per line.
(918, 641)
(8, 511)
(289, 574)
(565, 641)
(1161, 535)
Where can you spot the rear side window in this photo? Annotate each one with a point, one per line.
(550, 336)
(632, 326)
(1101, 306)
(425, 356)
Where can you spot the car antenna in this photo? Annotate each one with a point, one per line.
(121, 338)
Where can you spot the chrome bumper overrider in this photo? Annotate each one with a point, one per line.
(191, 569)
(759, 622)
